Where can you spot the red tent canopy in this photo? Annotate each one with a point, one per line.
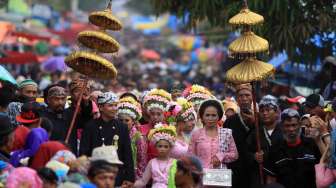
(13, 57)
(30, 36)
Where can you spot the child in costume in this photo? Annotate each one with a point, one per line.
(155, 104)
(162, 168)
(129, 112)
(182, 115)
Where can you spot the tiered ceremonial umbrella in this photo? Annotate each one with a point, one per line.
(245, 48)
(90, 63)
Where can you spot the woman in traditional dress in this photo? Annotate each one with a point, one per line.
(213, 145)
(129, 112)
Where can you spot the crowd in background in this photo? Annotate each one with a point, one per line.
(161, 139)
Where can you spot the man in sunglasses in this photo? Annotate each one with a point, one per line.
(292, 162)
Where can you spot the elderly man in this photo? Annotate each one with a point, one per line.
(61, 117)
(292, 162)
(28, 91)
(270, 136)
(241, 124)
(107, 130)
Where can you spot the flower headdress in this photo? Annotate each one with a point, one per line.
(130, 107)
(197, 94)
(187, 110)
(157, 98)
(162, 132)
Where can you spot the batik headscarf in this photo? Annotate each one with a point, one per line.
(107, 98)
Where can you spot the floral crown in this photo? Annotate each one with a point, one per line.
(157, 98)
(196, 94)
(187, 110)
(181, 110)
(129, 106)
(162, 132)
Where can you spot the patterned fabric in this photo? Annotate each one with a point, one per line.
(224, 139)
(64, 156)
(139, 151)
(56, 91)
(24, 176)
(14, 109)
(206, 147)
(107, 98)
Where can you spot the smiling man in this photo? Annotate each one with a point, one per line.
(292, 162)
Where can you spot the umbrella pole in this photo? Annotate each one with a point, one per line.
(76, 111)
(257, 128)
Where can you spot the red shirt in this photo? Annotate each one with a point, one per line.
(151, 149)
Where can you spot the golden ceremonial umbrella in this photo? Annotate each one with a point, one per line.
(92, 64)
(247, 43)
(99, 41)
(250, 69)
(105, 20)
(246, 17)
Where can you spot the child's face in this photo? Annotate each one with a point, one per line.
(163, 148)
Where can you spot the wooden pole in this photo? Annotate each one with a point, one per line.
(256, 116)
(79, 101)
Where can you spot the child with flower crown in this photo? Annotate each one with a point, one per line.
(162, 168)
(129, 112)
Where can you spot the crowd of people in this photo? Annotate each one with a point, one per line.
(162, 139)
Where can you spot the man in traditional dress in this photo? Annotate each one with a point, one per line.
(107, 130)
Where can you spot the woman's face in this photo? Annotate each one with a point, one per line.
(189, 125)
(127, 120)
(163, 148)
(156, 116)
(210, 117)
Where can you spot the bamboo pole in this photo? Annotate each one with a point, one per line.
(257, 128)
(79, 101)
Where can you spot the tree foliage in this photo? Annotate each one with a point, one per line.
(289, 25)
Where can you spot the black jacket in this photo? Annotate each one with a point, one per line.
(96, 131)
(266, 142)
(61, 123)
(293, 166)
(240, 169)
